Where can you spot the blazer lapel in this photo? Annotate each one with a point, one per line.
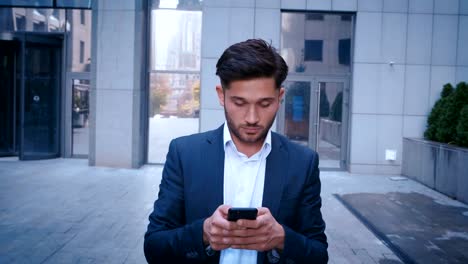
(214, 154)
(275, 174)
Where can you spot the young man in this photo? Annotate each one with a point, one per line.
(240, 164)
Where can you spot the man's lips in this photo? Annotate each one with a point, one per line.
(252, 130)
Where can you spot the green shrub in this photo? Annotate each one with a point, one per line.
(462, 128)
(434, 116)
(448, 121)
(337, 108)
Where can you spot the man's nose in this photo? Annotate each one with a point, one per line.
(252, 115)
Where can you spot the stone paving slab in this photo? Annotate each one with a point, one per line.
(63, 211)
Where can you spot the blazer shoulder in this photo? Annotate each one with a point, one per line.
(191, 140)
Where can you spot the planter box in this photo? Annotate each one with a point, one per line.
(439, 166)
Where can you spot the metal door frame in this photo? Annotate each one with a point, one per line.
(345, 115)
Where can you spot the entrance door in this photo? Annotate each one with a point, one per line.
(40, 97)
(314, 114)
(8, 98)
(29, 95)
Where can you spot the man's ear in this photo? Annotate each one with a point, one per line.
(220, 92)
(281, 94)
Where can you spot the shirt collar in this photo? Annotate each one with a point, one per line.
(227, 139)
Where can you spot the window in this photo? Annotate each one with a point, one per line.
(82, 50)
(82, 17)
(20, 23)
(313, 50)
(174, 85)
(344, 51)
(346, 17)
(39, 26)
(80, 40)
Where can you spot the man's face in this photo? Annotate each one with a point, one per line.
(250, 107)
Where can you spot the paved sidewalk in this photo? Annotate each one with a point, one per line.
(63, 211)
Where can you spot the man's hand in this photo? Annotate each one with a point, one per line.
(217, 230)
(262, 234)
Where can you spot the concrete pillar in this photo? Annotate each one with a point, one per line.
(117, 129)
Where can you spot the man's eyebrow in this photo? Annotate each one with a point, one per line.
(237, 98)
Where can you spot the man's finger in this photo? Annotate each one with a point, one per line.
(247, 232)
(245, 240)
(248, 223)
(223, 209)
(263, 211)
(227, 225)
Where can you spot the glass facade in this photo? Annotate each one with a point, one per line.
(44, 38)
(79, 28)
(20, 19)
(317, 48)
(48, 3)
(34, 3)
(174, 92)
(316, 43)
(80, 117)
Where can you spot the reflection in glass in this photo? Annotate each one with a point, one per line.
(175, 40)
(297, 110)
(174, 103)
(174, 111)
(330, 125)
(34, 3)
(80, 40)
(74, 3)
(177, 4)
(80, 117)
(313, 43)
(32, 20)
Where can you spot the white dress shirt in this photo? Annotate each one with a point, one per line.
(244, 179)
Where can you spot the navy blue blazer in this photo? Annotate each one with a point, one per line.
(192, 188)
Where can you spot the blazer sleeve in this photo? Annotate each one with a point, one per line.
(307, 242)
(168, 238)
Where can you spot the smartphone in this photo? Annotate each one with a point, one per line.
(236, 213)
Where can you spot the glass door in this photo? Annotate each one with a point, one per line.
(8, 102)
(331, 122)
(40, 132)
(314, 114)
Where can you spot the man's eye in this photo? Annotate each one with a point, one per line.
(239, 103)
(265, 104)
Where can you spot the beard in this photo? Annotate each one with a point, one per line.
(246, 139)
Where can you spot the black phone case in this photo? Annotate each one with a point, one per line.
(235, 214)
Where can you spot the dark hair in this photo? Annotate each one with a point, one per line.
(253, 58)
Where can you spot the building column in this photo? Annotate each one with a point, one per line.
(118, 123)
